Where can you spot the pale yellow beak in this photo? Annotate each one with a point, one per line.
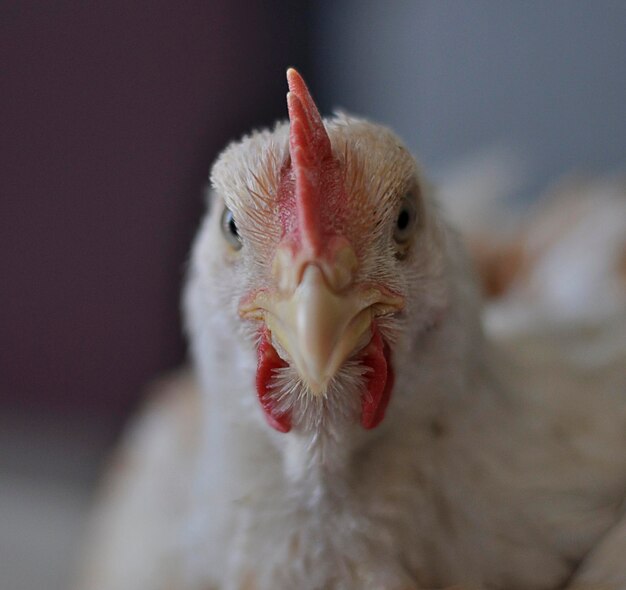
(318, 327)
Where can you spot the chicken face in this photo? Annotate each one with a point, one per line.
(320, 225)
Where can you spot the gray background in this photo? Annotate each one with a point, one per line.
(547, 79)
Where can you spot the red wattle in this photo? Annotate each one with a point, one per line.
(267, 361)
(374, 400)
(379, 383)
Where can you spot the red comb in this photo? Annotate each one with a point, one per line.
(311, 153)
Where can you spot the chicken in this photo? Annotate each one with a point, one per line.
(347, 424)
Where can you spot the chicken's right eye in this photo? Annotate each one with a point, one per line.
(229, 229)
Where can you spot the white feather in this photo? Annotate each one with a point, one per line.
(486, 472)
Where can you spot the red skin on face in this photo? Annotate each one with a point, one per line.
(313, 176)
(313, 211)
(268, 361)
(380, 382)
(374, 400)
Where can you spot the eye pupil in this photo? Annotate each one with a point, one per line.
(229, 229)
(232, 226)
(403, 219)
(405, 222)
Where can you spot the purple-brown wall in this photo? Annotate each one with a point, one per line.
(110, 115)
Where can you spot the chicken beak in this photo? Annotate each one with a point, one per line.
(319, 327)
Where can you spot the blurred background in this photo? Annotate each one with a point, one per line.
(110, 116)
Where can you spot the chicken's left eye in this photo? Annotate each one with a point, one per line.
(405, 220)
(229, 229)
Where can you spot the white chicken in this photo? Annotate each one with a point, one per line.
(347, 424)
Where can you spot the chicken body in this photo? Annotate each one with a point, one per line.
(481, 471)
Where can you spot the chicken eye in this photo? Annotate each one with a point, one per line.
(405, 221)
(229, 229)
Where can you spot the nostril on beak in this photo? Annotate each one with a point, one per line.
(339, 274)
(338, 265)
